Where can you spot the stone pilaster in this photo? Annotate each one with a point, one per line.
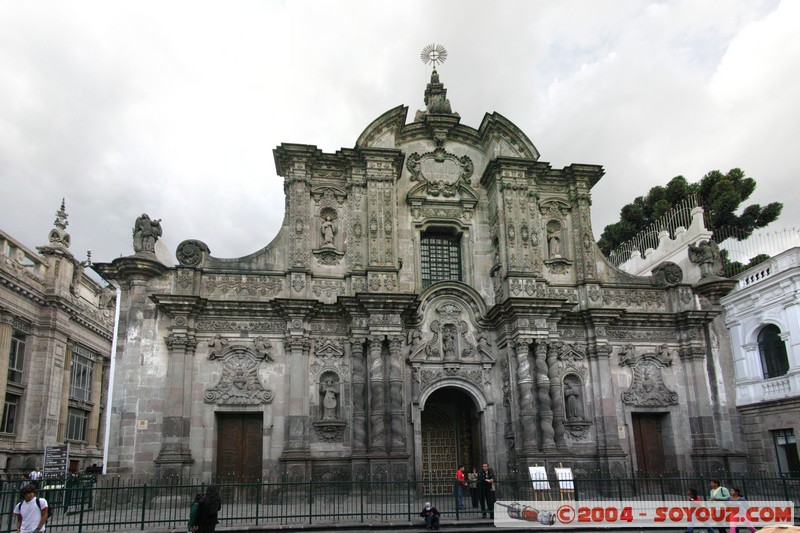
(377, 402)
(527, 408)
(543, 392)
(359, 394)
(96, 399)
(396, 394)
(556, 396)
(6, 332)
(175, 453)
(297, 349)
(63, 414)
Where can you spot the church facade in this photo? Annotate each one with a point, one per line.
(434, 297)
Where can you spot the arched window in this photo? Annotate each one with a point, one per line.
(440, 256)
(774, 361)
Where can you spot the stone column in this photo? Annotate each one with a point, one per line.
(556, 395)
(396, 394)
(527, 409)
(6, 332)
(63, 414)
(377, 402)
(359, 393)
(175, 451)
(94, 415)
(543, 393)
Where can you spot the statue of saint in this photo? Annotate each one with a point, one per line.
(449, 343)
(263, 348)
(145, 234)
(329, 390)
(328, 232)
(573, 400)
(707, 256)
(554, 246)
(217, 345)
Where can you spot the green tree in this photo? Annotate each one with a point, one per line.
(719, 194)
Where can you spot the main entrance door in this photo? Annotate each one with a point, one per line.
(450, 436)
(649, 444)
(239, 440)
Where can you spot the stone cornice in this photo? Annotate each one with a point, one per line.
(134, 267)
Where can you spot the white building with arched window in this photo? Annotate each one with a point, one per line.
(763, 316)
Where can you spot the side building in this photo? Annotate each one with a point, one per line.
(56, 326)
(434, 296)
(763, 316)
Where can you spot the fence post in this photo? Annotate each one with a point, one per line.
(80, 519)
(258, 499)
(144, 504)
(310, 500)
(619, 488)
(785, 487)
(361, 498)
(661, 486)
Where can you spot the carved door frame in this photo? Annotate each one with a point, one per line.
(486, 415)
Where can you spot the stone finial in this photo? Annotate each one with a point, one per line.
(58, 236)
(436, 101)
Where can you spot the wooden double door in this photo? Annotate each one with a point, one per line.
(239, 446)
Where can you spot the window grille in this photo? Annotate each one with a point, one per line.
(77, 420)
(786, 451)
(440, 255)
(80, 385)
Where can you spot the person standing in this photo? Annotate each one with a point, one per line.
(31, 512)
(210, 504)
(460, 484)
(35, 477)
(472, 483)
(486, 490)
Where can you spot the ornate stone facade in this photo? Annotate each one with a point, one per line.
(331, 338)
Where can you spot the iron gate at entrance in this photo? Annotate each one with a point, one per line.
(450, 437)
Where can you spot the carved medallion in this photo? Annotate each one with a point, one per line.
(238, 383)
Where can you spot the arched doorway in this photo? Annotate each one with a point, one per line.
(450, 436)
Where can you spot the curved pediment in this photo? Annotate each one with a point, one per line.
(382, 132)
(502, 138)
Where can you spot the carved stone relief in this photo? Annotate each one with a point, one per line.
(647, 388)
(238, 383)
(242, 285)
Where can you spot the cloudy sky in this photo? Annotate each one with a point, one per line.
(173, 108)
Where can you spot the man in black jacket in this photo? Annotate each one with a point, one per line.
(486, 490)
(431, 516)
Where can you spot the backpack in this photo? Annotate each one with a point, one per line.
(18, 508)
(194, 510)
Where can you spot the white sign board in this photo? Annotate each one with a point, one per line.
(565, 478)
(539, 478)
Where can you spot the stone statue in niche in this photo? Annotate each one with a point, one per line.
(145, 234)
(554, 239)
(573, 398)
(329, 389)
(328, 232)
(449, 342)
(217, 345)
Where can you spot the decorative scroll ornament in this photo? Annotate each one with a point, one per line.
(329, 349)
(442, 173)
(667, 274)
(190, 252)
(239, 383)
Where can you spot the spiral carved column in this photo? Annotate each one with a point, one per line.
(543, 392)
(527, 409)
(556, 394)
(377, 401)
(359, 394)
(396, 396)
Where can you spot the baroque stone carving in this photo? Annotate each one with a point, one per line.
(190, 252)
(217, 345)
(271, 326)
(263, 348)
(428, 376)
(442, 172)
(238, 383)
(707, 256)
(647, 388)
(145, 234)
(633, 298)
(329, 349)
(239, 285)
(328, 287)
(667, 274)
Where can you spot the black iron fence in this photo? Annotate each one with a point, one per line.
(118, 504)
